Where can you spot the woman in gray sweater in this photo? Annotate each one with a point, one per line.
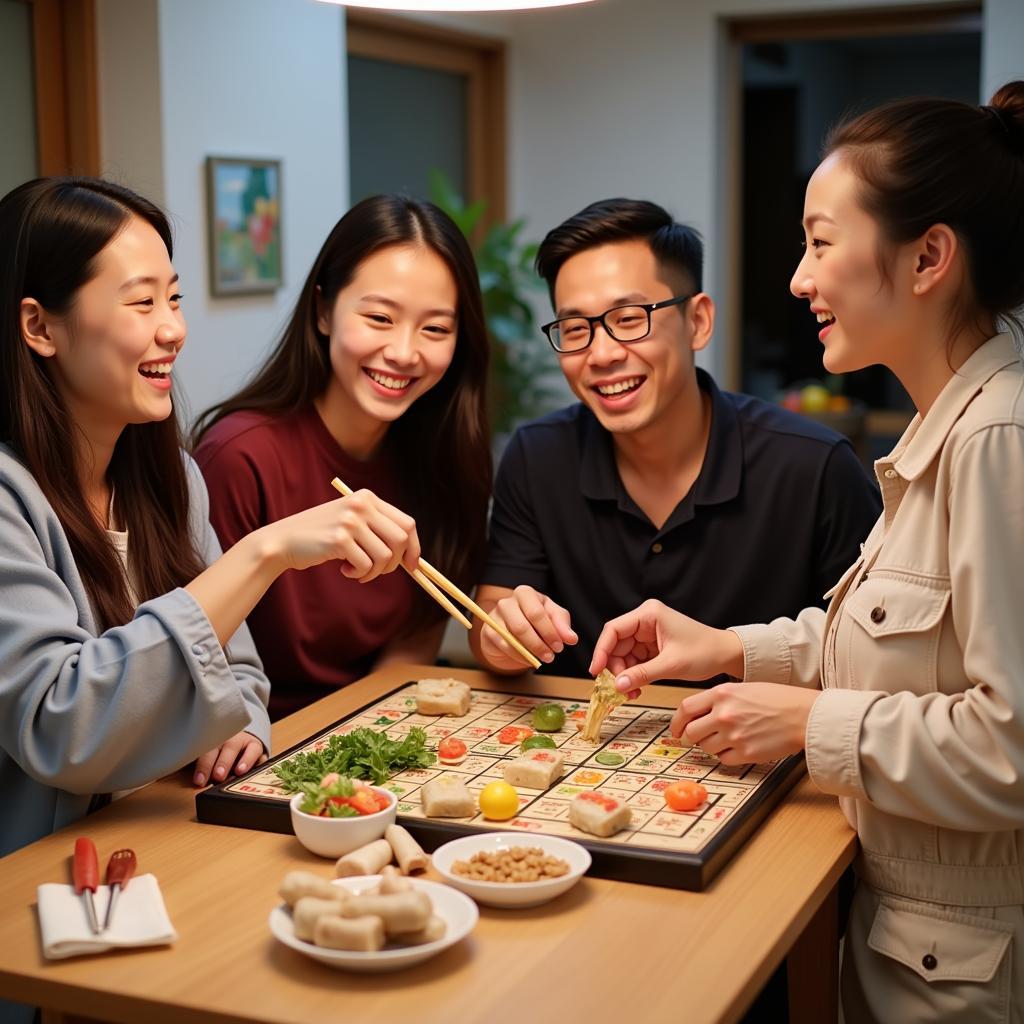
(123, 649)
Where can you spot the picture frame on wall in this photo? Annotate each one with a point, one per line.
(243, 223)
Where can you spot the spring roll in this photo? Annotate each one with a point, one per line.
(362, 934)
(408, 852)
(401, 912)
(434, 930)
(297, 884)
(308, 910)
(367, 860)
(392, 881)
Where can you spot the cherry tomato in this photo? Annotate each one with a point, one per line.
(685, 795)
(451, 749)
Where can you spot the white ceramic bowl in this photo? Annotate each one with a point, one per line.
(334, 837)
(458, 912)
(511, 894)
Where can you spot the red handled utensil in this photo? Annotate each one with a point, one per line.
(85, 872)
(120, 868)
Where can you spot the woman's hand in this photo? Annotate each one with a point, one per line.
(239, 753)
(654, 642)
(745, 723)
(366, 534)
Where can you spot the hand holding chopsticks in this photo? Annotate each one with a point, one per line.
(430, 579)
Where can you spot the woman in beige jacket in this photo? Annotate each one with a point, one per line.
(908, 694)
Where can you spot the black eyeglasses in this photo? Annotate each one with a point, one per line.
(623, 323)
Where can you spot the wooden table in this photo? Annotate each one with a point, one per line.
(605, 951)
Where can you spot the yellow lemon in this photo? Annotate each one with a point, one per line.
(499, 801)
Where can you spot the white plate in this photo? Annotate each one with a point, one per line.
(511, 894)
(458, 912)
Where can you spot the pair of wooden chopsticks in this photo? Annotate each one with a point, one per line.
(427, 576)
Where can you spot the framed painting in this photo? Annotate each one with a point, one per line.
(243, 198)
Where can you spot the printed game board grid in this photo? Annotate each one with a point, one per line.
(646, 759)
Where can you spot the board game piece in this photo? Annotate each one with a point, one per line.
(661, 846)
(447, 797)
(367, 860)
(603, 700)
(498, 801)
(360, 934)
(408, 852)
(443, 697)
(598, 814)
(536, 769)
(685, 795)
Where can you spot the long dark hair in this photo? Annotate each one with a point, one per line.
(52, 231)
(442, 441)
(931, 161)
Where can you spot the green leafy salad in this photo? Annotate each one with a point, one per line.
(361, 754)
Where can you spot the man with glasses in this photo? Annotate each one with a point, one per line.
(656, 484)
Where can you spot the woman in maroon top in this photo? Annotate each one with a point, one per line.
(379, 379)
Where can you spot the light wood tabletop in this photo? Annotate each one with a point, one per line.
(604, 951)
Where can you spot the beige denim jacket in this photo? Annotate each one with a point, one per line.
(920, 726)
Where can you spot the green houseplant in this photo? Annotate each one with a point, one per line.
(520, 384)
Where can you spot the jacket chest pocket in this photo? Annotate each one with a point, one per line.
(892, 634)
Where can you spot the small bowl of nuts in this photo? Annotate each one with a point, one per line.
(509, 869)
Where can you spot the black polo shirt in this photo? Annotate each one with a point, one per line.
(777, 513)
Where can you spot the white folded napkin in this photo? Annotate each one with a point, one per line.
(140, 919)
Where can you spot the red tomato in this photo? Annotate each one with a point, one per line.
(685, 795)
(364, 801)
(451, 749)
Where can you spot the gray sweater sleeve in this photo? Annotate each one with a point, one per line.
(88, 713)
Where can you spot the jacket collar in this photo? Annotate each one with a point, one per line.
(924, 438)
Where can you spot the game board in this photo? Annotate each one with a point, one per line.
(662, 847)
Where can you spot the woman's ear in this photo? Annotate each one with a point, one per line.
(323, 314)
(935, 254)
(35, 325)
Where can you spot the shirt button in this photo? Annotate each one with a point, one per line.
(890, 474)
(928, 962)
(656, 548)
(877, 614)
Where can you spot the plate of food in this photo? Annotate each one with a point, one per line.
(509, 869)
(370, 923)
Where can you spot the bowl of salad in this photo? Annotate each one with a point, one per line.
(339, 814)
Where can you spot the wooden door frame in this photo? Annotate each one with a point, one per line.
(481, 58)
(67, 102)
(912, 20)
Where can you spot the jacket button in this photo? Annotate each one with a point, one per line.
(928, 962)
(877, 614)
(656, 548)
(890, 474)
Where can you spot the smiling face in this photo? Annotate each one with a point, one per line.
(392, 333)
(862, 317)
(629, 386)
(111, 356)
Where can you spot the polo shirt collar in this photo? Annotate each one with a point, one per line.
(720, 475)
(924, 438)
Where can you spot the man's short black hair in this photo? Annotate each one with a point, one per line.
(676, 246)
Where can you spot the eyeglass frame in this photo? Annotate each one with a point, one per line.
(592, 321)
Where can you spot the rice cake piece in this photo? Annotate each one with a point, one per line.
(539, 768)
(447, 797)
(443, 697)
(599, 814)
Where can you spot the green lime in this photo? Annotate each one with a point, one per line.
(548, 717)
(532, 742)
(608, 758)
